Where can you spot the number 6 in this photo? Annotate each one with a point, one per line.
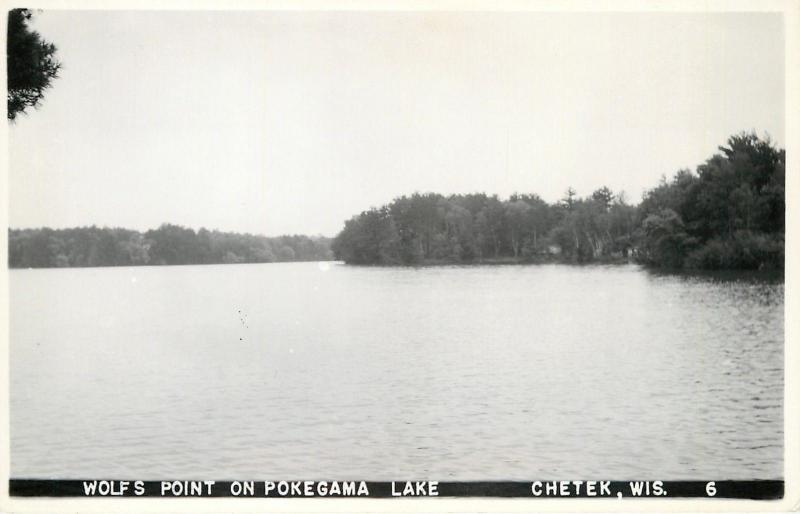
(710, 489)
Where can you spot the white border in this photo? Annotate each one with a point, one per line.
(791, 501)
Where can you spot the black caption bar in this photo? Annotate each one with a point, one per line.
(541, 489)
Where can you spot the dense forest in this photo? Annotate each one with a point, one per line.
(168, 244)
(729, 214)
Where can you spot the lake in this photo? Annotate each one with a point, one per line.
(327, 371)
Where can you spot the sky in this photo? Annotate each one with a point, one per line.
(292, 122)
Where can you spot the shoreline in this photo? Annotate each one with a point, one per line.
(716, 273)
(491, 262)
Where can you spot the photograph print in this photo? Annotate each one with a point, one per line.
(396, 253)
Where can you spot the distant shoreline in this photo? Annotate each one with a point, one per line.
(166, 265)
(92, 247)
(770, 275)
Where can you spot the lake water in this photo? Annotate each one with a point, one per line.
(326, 371)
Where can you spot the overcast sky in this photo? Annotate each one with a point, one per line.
(292, 122)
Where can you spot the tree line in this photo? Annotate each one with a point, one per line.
(168, 244)
(729, 214)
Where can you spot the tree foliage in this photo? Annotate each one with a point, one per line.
(729, 214)
(478, 228)
(168, 244)
(31, 63)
